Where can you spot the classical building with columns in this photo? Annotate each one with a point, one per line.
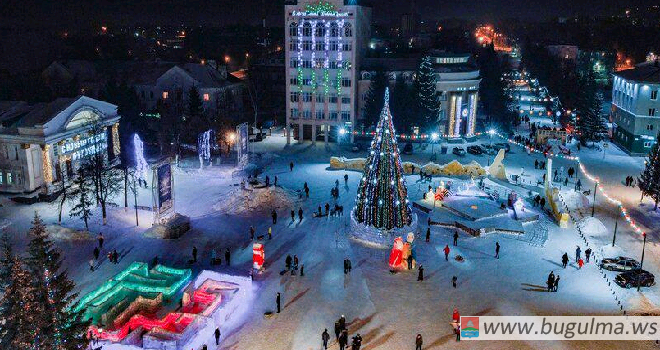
(325, 42)
(457, 82)
(44, 143)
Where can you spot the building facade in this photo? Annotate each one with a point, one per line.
(324, 45)
(457, 81)
(636, 107)
(44, 143)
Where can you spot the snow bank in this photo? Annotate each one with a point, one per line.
(59, 233)
(574, 199)
(592, 227)
(257, 200)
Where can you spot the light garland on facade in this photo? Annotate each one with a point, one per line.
(116, 145)
(46, 164)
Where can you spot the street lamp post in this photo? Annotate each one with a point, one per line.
(434, 139)
(616, 225)
(641, 263)
(593, 203)
(490, 133)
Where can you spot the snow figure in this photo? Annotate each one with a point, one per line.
(258, 256)
(411, 243)
(382, 198)
(204, 147)
(141, 166)
(396, 255)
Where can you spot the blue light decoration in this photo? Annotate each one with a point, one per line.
(382, 197)
(141, 166)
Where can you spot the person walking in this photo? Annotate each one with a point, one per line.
(277, 301)
(307, 192)
(251, 233)
(551, 281)
(428, 234)
(217, 336)
(420, 276)
(300, 214)
(273, 214)
(327, 209)
(345, 266)
(345, 179)
(556, 285)
(410, 260)
(295, 262)
(337, 330)
(291, 166)
(91, 264)
(578, 185)
(536, 164)
(275, 183)
(580, 263)
(96, 253)
(270, 232)
(456, 238)
(453, 281)
(293, 215)
(100, 239)
(227, 256)
(194, 254)
(349, 265)
(564, 260)
(587, 254)
(577, 253)
(302, 270)
(419, 342)
(446, 250)
(287, 261)
(343, 339)
(324, 338)
(497, 250)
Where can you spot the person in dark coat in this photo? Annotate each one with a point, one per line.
(295, 262)
(337, 330)
(350, 266)
(420, 276)
(419, 342)
(293, 215)
(342, 322)
(251, 232)
(327, 209)
(497, 250)
(274, 215)
(307, 192)
(345, 266)
(291, 166)
(587, 253)
(96, 253)
(343, 340)
(194, 254)
(288, 262)
(453, 281)
(564, 260)
(345, 178)
(277, 301)
(556, 284)
(428, 234)
(542, 202)
(410, 259)
(227, 256)
(217, 336)
(325, 337)
(300, 214)
(456, 238)
(577, 253)
(551, 281)
(302, 270)
(101, 239)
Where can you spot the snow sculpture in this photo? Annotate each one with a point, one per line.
(401, 251)
(141, 166)
(396, 255)
(552, 196)
(497, 168)
(204, 147)
(258, 256)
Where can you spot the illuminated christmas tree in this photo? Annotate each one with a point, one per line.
(382, 198)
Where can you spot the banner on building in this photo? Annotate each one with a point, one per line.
(242, 144)
(164, 188)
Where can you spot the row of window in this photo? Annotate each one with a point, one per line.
(320, 114)
(345, 82)
(321, 29)
(166, 95)
(624, 137)
(320, 98)
(318, 63)
(8, 178)
(307, 45)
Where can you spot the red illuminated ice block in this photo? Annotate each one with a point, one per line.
(258, 256)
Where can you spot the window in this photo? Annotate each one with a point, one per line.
(293, 97)
(165, 95)
(307, 45)
(319, 46)
(307, 29)
(293, 81)
(293, 46)
(320, 115)
(320, 30)
(348, 30)
(654, 94)
(345, 100)
(307, 64)
(647, 144)
(307, 82)
(320, 98)
(333, 115)
(9, 179)
(319, 63)
(334, 46)
(294, 113)
(207, 97)
(307, 97)
(347, 46)
(345, 115)
(651, 112)
(307, 114)
(293, 29)
(293, 63)
(333, 99)
(649, 127)
(1, 178)
(346, 82)
(334, 30)
(334, 64)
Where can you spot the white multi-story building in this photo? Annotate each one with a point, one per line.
(325, 42)
(636, 107)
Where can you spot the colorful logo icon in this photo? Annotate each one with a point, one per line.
(469, 326)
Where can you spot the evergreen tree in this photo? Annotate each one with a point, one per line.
(382, 198)
(589, 123)
(649, 180)
(374, 99)
(22, 313)
(6, 269)
(62, 328)
(81, 196)
(427, 96)
(403, 106)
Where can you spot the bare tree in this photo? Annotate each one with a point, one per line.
(80, 195)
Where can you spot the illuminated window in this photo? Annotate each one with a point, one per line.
(654, 94)
(293, 29)
(8, 178)
(165, 95)
(207, 97)
(1, 179)
(348, 31)
(651, 112)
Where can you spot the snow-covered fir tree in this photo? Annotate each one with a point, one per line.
(427, 96)
(382, 197)
(590, 124)
(21, 312)
(649, 179)
(81, 196)
(62, 328)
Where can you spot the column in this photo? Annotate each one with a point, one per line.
(300, 131)
(327, 131)
(313, 133)
(46, 164)
(287, 131)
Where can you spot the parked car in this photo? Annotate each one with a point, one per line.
(459, 151)
(635, 278)
(356, 147)
(408, 148)
(475, 150)
(488, 149)
(620, 263)
(502, 145)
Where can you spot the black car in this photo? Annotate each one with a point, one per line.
(635, 278)
(501, 145)
(475, 150)
(459, 151)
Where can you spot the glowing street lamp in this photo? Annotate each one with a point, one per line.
(434, 138)
(231, 138)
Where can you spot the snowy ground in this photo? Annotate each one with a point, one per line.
(388, 310)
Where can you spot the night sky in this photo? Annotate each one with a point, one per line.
(221, 12)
